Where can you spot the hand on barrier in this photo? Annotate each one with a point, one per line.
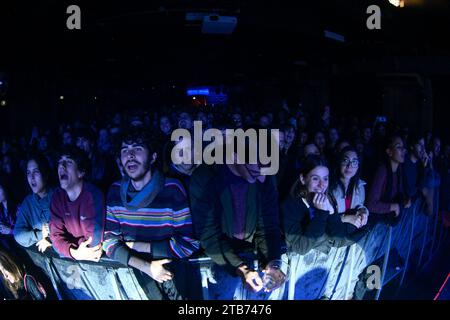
(83, 252)
(395, 207)
(157, 271)
(43, 244)
(276, 273)
(250, 278)
(364, 214)
(353, 219)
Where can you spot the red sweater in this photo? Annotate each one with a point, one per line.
(73, 222)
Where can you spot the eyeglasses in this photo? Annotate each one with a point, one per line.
(353, 163)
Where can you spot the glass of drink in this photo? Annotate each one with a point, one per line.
(275, 275)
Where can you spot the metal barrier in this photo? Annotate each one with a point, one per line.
(315, 275)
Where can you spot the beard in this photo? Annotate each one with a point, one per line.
(139, 174)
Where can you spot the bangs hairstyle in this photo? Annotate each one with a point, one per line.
(79, 156)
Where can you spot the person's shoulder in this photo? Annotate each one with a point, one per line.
(93, 190)
(174, 185)
(204, 173)
(58, 195)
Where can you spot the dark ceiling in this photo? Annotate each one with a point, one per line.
(153, 35)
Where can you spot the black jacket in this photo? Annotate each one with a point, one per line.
(212, 213)
(321, 232)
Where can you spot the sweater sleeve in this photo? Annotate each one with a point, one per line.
(374, 202)
(113, 243)
(24, 234)
(300, 238)
(181, 243)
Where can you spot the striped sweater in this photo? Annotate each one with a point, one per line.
(158, 214)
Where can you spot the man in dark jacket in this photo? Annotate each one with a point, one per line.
(235, 208)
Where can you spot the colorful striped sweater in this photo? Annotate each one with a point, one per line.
(158, 214)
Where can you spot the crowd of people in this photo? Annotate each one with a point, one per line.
(89, 189)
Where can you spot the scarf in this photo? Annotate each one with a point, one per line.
(145, 196)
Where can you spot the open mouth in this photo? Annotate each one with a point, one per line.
(63, 176)
(132, 166)
(33, 184)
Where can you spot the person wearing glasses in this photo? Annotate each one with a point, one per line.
(387, 197)
(348, 189)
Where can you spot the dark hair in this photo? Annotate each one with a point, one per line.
(79, 156)
(414, 139)
(43, 164)
(84, 133)
(307, 165)
(388, 143)
(136, 135)
(336, 181)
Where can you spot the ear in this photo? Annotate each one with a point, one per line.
(302, 179)
(153, 157)
(81, 174)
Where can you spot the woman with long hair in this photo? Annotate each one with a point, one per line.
(309, 217)
(33, 217)
(347, 188)
(387, 197)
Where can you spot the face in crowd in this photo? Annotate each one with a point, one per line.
(185, 121)
(135, 159)
(396, 150)
(334, 135)
(185, 152)
(34, 177)
(349, 165)
(311, 149)
(84, 144)
(419, 149)
(237, 120)
(290, 135)
(316, 180)
(164, 125)
(67, 138)
(367, 135)
(68, 172)
(319, 140)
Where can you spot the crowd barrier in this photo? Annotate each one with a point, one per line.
(334, 275)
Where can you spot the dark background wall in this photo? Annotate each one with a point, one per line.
(141, 55)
